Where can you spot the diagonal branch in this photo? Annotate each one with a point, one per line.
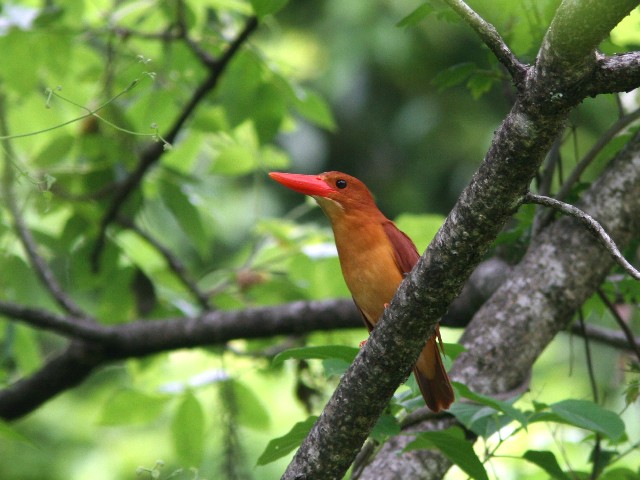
(590, 223)
(174, 263)
(628, 334)
(622, 123)
(492, 39)
(62, 372)
(154, 151)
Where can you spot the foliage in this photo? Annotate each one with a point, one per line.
(93, 92)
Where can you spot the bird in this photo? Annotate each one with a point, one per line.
(374, 258)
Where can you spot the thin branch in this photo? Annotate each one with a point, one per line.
(205, 57)
(45, 274)
(492, 39)
(174, 263)
(69, 326)
(589, 358)
(606, 336)
(622, 123)
(154, 152)
(597, 448)
(628, 334)
(590, 223)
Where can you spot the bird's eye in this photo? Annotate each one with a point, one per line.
(341, 183)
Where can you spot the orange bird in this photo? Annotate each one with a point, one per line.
(374, 257)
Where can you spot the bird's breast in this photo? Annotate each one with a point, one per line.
(369, 269)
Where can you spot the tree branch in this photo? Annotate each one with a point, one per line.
(63, 372)
(626, 331)
(590, 223)
(618, 73)
(73, 327)
(154, 151)
(492, 39)
(98, 345)
(174, 263)
(607, 336)
(622, 123)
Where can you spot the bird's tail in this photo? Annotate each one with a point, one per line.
(432, 377)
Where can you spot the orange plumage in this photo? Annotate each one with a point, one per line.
(374, 256)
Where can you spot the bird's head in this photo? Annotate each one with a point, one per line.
(335, 192)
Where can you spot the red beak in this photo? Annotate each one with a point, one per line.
(306, 184)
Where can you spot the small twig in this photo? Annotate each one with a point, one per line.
(633, 343)
(590, 223)
(606, 336)
(173, 262)
(164, 35)
(205, 57)
(47, 278)
(154, 152)
(589, 358)
(492, 39)
(604, 139)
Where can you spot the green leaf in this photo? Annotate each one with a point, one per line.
(547, 461)
(132, 407)
(620, 474)
(340, 352)
(416, 16)
(251, 411)
(55, 152)
(385, 427)
(234, 160)
(281, 446)
(187, 430)
(453, 445)
(482, 420)
(315, 109)
(26, 350)
(479, 84)
(9, 433)
(504, 407)
(452, 350)
(590, 416)
(272, 157)
(453, 76)
(334, 366)
(267, 7)
(186, 214)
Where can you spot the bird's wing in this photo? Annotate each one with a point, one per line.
(405, 252)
